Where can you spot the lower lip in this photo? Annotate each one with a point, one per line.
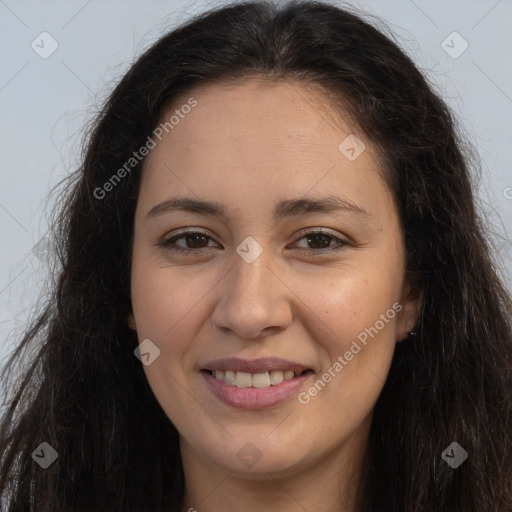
(254, 398)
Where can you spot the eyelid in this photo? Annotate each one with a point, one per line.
(192, 229)
(302, 232)
(321, 231)
(165, 240)
(341, 242)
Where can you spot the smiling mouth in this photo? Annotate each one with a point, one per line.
(254, 380)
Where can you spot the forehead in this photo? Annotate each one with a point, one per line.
(266, 138)
(278, 111)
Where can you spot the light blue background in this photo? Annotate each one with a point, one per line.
(45, 103)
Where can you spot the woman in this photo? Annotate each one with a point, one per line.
(275, 289)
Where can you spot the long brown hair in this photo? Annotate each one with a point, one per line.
(85, 394)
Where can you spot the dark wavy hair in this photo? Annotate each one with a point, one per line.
(83, 391)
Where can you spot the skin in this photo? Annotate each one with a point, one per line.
(250, 145)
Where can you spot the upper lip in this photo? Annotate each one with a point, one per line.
(266, 364)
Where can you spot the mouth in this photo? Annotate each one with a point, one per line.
(254, 384)
(258, 380)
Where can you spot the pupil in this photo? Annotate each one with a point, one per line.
(312, 239)
(316, 237)
(193, 236)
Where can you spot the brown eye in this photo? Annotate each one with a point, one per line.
(319, 242)
(319, 239)
(194, 240)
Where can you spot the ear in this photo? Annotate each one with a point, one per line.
(411, 301)
(131, 322)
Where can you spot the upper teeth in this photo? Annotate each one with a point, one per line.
(256, 380)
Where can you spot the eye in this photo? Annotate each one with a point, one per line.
(198, 241)
(322, 239)
(192, 239)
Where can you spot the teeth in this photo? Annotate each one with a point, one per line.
(276, 378)
(260, 380)
(229, 377)
(256, 380)
(243, 380)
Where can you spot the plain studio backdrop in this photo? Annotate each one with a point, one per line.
(60, 60)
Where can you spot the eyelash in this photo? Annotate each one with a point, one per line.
(166, 244)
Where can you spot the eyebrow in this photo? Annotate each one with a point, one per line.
(285, 208)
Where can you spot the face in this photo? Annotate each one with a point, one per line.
(276, 294)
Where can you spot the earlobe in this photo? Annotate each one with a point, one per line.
(412, 300)
(131, 322)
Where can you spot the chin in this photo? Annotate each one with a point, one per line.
(253, 454)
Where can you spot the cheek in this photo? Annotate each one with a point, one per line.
(353, 318)
(360, 316)
(169, 311)
(170, 308)
(348, 304)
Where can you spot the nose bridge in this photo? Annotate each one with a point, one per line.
(250, 281)
(251, 265)
(252, 297)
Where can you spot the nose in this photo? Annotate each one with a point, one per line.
(255, 301)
